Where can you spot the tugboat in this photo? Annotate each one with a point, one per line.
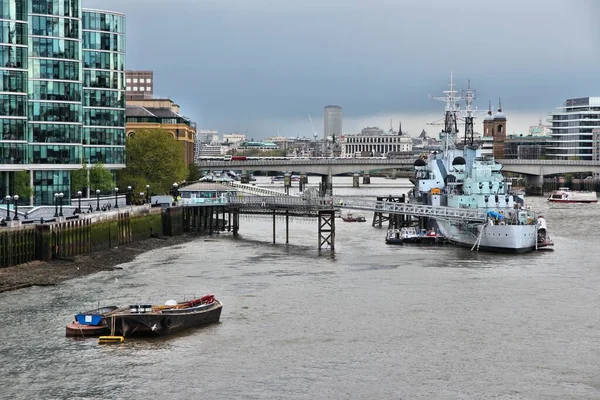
(409, 234)
(466, 176)
(351, 218)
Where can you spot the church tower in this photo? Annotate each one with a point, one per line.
(488, 123)
(499, 132)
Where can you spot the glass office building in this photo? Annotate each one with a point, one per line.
(61, 92)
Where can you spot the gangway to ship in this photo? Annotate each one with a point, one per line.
(415, 210)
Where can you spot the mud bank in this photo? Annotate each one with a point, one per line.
(39, 273)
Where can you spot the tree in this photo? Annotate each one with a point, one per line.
(154, 158)
(22, 188)
(194, 173)
(101, 178)
(79, 180)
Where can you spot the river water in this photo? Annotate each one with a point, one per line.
(369, 322)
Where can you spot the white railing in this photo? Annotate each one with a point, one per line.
(256, 190)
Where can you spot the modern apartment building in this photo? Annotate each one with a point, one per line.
(61, 93)
(139, 84)
(333, 122)
(576, 130)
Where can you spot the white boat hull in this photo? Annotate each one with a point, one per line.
(500, 238)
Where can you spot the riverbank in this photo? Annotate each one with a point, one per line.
(40, 273)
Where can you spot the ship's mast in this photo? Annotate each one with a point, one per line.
(469, 96)
(451, 98)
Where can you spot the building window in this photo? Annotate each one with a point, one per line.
(129, 88)
(148, 89)
(148, 80)
(135, 80)
(135, 88)
(142, 80)
(128, 80)
(141, 88)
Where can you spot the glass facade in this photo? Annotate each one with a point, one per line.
(575, 130)
(103, 87)
(62, 92)
(13, 89)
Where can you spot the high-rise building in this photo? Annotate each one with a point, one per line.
(139, 84)
(61, 93)
(332, 122)
(575, 130)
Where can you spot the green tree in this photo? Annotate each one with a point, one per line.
(79, 180)
(22, 188)
(101, 178)
(153, 158)
(194, 173)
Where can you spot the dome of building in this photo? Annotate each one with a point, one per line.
(419, 162)
(459, 161)
(488, 117)
(499, 115)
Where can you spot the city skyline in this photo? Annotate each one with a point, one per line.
(263, 68)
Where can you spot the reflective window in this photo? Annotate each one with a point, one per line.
(54, 112)
(12, 129)
(97, 117)
(103, 98)
(105, 155)
(13, 56)
(13, 81)
(46, 183)
(54, 154)
(54, 69)
(54, 26)
(13, 153)
(54, 48)
(66, 8)
(104, 79)
(103, 22)
(103, 41)
(54, 133)
(103, 60)
(13, 9)
(13, 105)
(52, 90)
(13, 32)
(104, 136)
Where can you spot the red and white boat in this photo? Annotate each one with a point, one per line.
(565, 195)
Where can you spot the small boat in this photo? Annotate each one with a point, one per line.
(278, 178)
(565, 195)
(92, 323)
(161, 320)
(410, 234)
(351, 218)
(543, 238)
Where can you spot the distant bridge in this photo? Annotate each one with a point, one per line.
(337, 166)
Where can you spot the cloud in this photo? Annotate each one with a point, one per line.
(232, 63)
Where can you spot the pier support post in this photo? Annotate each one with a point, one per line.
(355, 180)
(327, 229)
(303, 181)
(245, 177)
(274, 215)
(366, 178)
(287, 182)
(534, 185)
(287, 227)
(236, 223)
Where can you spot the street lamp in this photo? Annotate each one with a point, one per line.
(7, 200)
(175, 186)
(79, 202)
(129, 195)
(147, 193)
(15, 200)
(60, 197)
(55, 205)
(116, 194)
(97, 199)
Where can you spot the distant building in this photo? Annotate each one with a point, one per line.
(234, 137)
(576, 130)
(373, 141)
(263, 146)
(332, 122)
(139, 84)
(526, 147)
(162, 114)
(495, 126)
(540, 130)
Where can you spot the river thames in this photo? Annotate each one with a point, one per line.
(370, 321)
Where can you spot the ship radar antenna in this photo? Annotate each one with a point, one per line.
(451, 98)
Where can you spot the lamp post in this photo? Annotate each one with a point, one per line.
(60, 198)
(7, 200)
(129, 195)
(79, 202)
(97, 199)
(175, 186)
(116, 198)
(147, 193)
(55, 205)
(15, 200)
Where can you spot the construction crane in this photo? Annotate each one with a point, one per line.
(315, 134)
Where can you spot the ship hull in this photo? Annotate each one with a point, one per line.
(496, 238)
(572, 201)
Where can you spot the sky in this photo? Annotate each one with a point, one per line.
(261, 67)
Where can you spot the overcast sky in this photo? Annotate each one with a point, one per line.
(263, 66)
